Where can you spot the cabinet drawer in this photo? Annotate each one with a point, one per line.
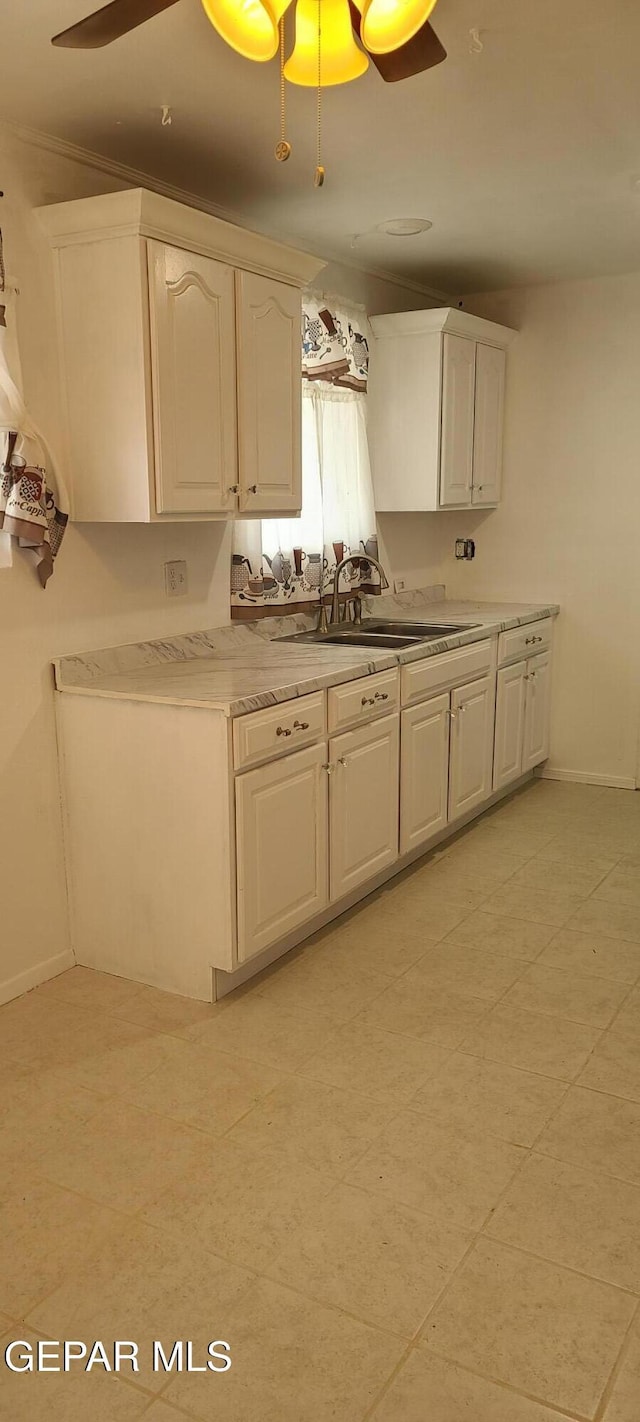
(524, 641)
(263, 735)
(422, 679)
(358, 701)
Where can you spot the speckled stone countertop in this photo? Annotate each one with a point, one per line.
(244, 667)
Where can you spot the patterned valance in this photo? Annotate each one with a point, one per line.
(334, 345)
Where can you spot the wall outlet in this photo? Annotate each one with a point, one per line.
(399, 585)
(175, 578)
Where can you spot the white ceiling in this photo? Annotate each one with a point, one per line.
(525, 157)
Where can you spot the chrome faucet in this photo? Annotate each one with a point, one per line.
(352, 558)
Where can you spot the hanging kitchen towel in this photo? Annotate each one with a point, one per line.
(33, 503)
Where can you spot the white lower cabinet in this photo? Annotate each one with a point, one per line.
(447, 758)
(316, 824)
(510, 702)
(281, 847)
(522, 718)
(424, 771)
(471, 758)
(363, 803)
(537, 712)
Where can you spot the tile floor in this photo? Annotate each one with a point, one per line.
(399, 1173)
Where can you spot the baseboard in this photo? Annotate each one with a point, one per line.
(587, 777)
(39, 973)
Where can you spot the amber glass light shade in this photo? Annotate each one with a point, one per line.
(340, 57)
(249, 26)
(388, 24)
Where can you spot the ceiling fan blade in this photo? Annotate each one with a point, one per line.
(110, 23)
(421, 52)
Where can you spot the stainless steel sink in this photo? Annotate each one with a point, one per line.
(361, 637)
(417, 629)
(380, 633)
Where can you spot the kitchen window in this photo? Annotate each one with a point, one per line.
(283, 565)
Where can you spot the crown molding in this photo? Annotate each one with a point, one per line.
(137, 178)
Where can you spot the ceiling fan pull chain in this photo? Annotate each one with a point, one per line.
(318, 178)
(283, 148)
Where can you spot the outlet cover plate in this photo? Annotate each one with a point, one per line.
(175, 578)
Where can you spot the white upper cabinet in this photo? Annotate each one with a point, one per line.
(458, 388)
(180, 350)
(193, 373)
(269, 395)
(488, 423)
(436, 404)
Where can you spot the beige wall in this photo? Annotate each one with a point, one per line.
(568, 528)
(108, 587)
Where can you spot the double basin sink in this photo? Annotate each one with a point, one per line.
(381, 633)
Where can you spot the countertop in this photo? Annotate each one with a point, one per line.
(244, 667)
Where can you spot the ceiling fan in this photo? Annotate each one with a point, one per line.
(396, 34)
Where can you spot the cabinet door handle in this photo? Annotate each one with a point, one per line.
(329, 768)
(452, 715)
(479, 488)
(381, 696)
(301, 725)
(368, 701)
(252, 489)
(233, 489)
(282, 731)
(342, 760)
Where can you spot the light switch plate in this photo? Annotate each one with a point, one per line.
(175, 578)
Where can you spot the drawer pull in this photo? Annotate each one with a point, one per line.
(368, 701)
(282, 731)
(528, 641)
(301, 725)
(381, 696)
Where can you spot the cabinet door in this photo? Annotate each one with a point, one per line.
(269, 395)
(424, 771)
(456, 451)
(194, 382)
(363, 798)
(537, 711)
(489, 417)
(281, 847)
(509, 737)
(470, 771)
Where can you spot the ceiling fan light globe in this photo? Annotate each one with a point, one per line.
(340, 57)
(388, 24)
(248, 26)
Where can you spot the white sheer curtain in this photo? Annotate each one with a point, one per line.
(287, 562)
